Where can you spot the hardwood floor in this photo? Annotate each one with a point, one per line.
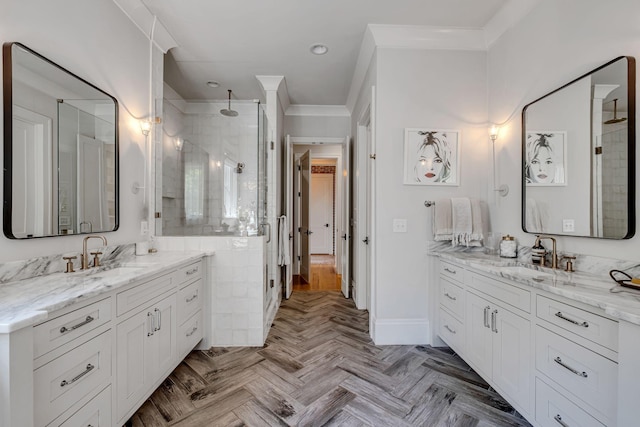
(322, 277)
(319, 368)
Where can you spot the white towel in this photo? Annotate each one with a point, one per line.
(442, 227)
(461, 221)
(283, 241)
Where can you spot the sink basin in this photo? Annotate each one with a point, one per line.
(114, 272)
(524, 272)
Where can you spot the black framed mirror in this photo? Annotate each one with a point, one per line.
(578, 156)
(60, 150)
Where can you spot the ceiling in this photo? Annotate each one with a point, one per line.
(231, 42)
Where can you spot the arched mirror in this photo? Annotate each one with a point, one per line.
(60, 150)
(578, 156)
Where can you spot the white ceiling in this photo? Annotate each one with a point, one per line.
(231, 42)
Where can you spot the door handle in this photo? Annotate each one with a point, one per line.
(326, 225)
(308, 232)
(366, 240)
(344, 236)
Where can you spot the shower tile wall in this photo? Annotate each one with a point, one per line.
(614, 180)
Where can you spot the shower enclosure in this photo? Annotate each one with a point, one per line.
(213, 176)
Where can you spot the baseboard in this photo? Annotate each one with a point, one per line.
(400, 331)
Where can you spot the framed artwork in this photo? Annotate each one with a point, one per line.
(431, 156)
(546, 158)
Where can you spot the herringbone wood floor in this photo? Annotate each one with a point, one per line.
(319, 367)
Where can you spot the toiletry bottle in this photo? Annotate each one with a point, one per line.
(537, 252)
(508, 247)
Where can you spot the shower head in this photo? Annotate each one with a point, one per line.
(240, 165)
(228, 111)
(615, 114)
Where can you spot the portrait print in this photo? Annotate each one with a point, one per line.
(545, 158)
(431, 156)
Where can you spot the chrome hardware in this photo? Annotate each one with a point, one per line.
(344, 237)
(494, 315)
(77, 377)
(150, 328)
(263, 225)
(159, 320)
(446, 294)
(450, 271)
(366, 240)
(449, 329)
(558, 419)
(64, 329)
(190, 272)
(194, 296)
(69, 260)
(193, 331)
(308, 232)
(559, 361)
(486, 317)
(562, 316)
(84, 257)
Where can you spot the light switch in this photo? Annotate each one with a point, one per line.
(568, 226)
(399, 225)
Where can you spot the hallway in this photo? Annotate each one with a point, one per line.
(322, 277)
(319, 367)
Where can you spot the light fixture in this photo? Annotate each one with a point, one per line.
(178, 143)
(212, 83)
(503, 190)
(319, 49)
(145, 127)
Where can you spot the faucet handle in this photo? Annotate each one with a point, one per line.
(569, 267)
(69, 260)
(96, 260)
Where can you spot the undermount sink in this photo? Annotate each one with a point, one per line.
(525, 272)
(113, 272)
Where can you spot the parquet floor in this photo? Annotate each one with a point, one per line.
(319, 368)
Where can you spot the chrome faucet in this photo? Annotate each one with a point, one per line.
(84, 257)
(554, 254)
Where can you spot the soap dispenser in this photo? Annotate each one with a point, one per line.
(537, 251)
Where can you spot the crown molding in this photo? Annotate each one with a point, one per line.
(317, 110)
(138, 13)
(509, 15)
(278, 84)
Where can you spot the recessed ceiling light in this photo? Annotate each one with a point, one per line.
(213, 84)
(319, 49)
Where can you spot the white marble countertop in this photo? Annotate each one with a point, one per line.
(617, 301)
(27, 302)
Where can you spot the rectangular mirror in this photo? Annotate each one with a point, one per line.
(578, 156)
(60, 150)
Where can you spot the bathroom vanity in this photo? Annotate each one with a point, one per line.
(88, 348)
(558, 346)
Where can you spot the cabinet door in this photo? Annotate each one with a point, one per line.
(479, 335)
(162, 344)
(512, 355)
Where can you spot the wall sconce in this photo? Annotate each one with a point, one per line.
(503, 190)
(145, 127)
(178, 143)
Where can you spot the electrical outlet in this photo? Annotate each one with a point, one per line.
(144, 227)
(568, 226)
(399, 225)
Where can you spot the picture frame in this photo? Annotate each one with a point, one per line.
(546, 158)
(431, 156)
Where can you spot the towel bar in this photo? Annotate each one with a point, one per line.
(429, 203)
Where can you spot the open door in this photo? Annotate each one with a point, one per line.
(288, 163)
(305, 192)
(346, 216)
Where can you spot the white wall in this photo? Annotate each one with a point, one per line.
(321, 126)
(555, 43)
(420, 88)
(97, 42)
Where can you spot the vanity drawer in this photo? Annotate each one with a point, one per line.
(552, 408)
(452, 297)
(452, 271)
(587, 375)
(451, 330)
(96, 413)
(189, 273)
(189, 334)
(62, 382)
(63, 329)
(189, 300)
(588, 325)
(505, 292)
(143, 293)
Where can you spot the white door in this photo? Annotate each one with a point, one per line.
(478, 333)
(92, 211)
(305, 192)
(289, 173)
(346, 218)
(321, 213)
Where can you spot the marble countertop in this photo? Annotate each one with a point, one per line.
(602, 292)
(28, 302)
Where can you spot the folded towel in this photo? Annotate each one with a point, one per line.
(442, 221)
(477, 225)
(283, 241)
(461, 220)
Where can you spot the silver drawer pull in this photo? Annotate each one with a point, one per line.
(64, 329)
(449, 270)
(494, 322)
(194, 296)
(159, 320)
(190, 272)
(486, 316)
(150, 324)
(563, 317)
(449, 329)
(450, 297)
(193, 331)
(558, 419)
(77, 377)
(559, 361)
